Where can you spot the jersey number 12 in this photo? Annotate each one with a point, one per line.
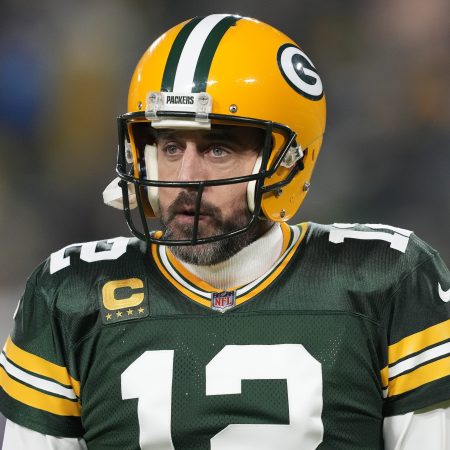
(149, 379)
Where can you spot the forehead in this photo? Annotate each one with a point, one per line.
(235, 134)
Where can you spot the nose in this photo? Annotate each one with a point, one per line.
(192, 166)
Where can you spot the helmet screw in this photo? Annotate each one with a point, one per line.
(306, 186)
(233, 108)
(282, 213)
(139, 106)
(278, 192)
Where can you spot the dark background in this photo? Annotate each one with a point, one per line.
(64, 73)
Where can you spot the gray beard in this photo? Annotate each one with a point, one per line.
(213, 252)
(218, 251)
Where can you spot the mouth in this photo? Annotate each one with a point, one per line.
(188, 215)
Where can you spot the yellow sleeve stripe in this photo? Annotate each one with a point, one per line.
(385, 377)
(37, 399)
(40, 366)
(419, 377)
(419, 341)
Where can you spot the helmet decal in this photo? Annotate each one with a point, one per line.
(192, 53)
(299, 72)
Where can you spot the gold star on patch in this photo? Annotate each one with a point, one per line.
(108, 316)
(130, 312)
(119, 313)
(141, 310)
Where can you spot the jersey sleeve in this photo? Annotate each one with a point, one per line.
(18, 437)
(38, 389)
(417, 323)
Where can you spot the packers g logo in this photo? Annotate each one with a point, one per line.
(299, 72)
(123, 300)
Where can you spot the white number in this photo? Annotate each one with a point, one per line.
(88, 253)
(152, 371)
(398, 240)
(290, 362)
(224, 374)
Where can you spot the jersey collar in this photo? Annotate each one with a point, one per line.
(201, 292)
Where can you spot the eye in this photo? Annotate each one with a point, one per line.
(171, 150)
(218, 151)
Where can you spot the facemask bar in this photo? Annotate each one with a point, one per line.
(259, 177)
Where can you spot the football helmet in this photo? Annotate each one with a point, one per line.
(226, 70)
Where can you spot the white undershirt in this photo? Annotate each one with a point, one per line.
(245, 266)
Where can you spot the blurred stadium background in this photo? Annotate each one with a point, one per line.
(64, 74)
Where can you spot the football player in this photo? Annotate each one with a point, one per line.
(228, 328)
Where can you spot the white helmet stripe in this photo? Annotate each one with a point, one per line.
(184, 78)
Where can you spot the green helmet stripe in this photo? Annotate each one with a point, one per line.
(207, 53)
(192, 52)
(174, 56)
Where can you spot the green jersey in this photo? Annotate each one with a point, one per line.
(121, 345)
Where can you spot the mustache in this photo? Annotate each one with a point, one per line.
(185, 203)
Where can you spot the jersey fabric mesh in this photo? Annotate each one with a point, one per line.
(350, 305)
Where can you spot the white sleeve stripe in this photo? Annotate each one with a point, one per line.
(36, 382)
(419, 359)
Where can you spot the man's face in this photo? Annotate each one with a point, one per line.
(193, 155)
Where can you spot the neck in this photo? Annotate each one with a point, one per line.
(246, 265)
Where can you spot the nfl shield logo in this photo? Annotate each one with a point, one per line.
(221, 301)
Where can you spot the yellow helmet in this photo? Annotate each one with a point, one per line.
(225, 69)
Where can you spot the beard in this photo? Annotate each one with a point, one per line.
(212, 252)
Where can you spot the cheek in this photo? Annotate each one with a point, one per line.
(167, 196)
(229, 198)
(164, 171)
